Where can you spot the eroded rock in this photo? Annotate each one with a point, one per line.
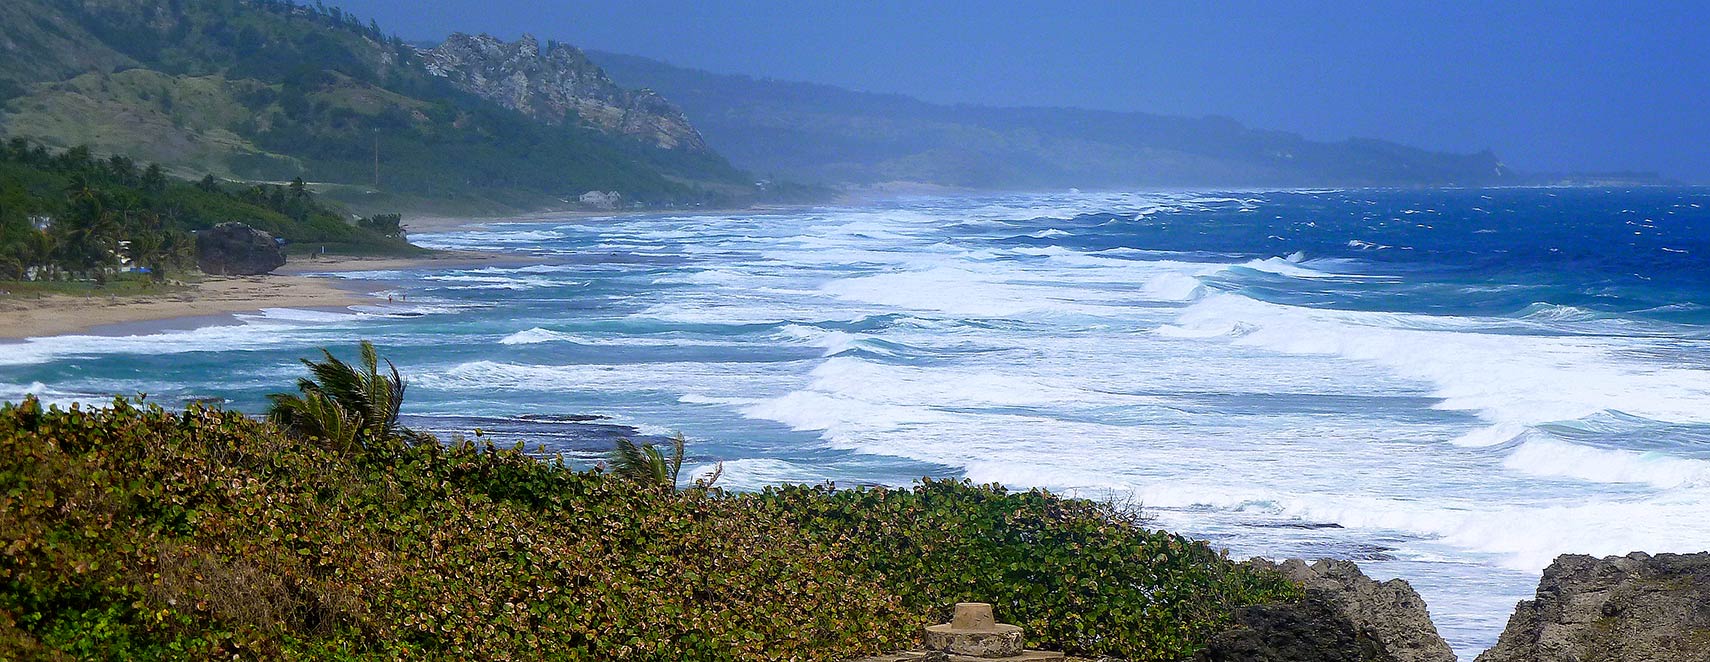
(558, 84)
(1633, 608)
(235, 249)
(1345, 617)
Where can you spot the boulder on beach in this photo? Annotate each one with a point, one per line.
(235, 249)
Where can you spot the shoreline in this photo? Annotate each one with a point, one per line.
(308, 266)
(300, 284)
(304, 282)
(214, 297)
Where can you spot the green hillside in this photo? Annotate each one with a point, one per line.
(269, 90)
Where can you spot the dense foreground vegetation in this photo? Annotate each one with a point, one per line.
(68, 214)
(134, 532)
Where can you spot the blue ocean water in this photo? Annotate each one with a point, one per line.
(1451, 386)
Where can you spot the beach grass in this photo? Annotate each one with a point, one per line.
(123, 286)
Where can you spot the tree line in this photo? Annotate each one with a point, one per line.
(71, 215)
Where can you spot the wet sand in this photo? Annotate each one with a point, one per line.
(29, 316)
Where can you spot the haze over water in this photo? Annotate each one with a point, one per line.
(1451, 386)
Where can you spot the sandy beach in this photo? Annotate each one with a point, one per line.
(291, 286)
(31, 316)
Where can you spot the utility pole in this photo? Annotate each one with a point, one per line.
(376, 159)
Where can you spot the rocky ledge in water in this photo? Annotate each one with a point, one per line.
(1633, 608)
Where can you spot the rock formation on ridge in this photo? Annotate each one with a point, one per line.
(556, 85)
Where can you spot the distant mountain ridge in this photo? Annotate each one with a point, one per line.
(826, 134)
(271, 90)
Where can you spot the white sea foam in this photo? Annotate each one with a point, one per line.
(534, 336)
(1174, 287)
(1551, 458)
(537, 335)
(949, 290)
(755, 473)
(1296, 266)
(473, 281)
(714, 379)
(834, 342)
(1504, 377)
(1126, 370)
(297, 315)
(479, 239)
(259, 331)
(47, 395)
(1492, 435)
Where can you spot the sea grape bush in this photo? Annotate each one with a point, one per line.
(1081, 576)
(134, 532)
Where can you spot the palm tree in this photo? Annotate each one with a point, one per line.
(647, 465)
(346, 407)
(39, 249)
(80, 188)
(87, 229)
(146, 250)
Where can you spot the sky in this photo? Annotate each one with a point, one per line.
(1549, 86)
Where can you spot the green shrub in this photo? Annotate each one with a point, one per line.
(133, 532)
(1081, 576)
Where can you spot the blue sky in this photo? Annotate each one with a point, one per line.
(1548, 85)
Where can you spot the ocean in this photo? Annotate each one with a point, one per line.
(1449, 386)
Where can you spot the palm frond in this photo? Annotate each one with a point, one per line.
(339, 400)
(642, 463)
(316, 417)
(710, 478)
(678, 443)
(648, 465)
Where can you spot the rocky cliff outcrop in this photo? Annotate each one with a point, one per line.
(1633, 608)
(1345, 617)
(235, 249)
(558, 85)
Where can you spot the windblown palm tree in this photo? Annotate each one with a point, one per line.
(86, 236)
(647, 465)
(346, 407)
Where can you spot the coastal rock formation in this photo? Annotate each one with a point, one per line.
(235, 249)
(1345, 617)
(1633, 608)
(558, 85)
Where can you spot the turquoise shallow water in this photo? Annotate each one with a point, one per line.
(1451, 386)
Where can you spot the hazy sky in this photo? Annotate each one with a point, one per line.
(1548, 85)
